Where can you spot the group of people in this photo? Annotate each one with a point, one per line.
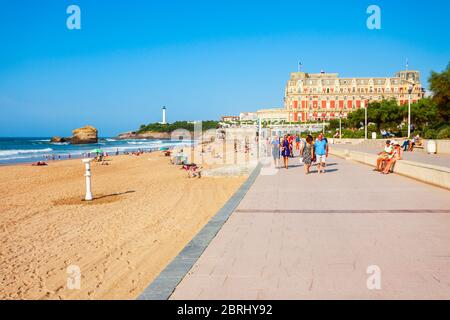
(409, 144)
(387, 158)
(309, 150)
(53, 157)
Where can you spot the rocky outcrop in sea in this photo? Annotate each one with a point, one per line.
(144, 135)
(84, 135)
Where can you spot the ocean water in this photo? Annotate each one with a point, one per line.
(22, 150)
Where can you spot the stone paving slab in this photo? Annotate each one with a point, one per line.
(313, 237)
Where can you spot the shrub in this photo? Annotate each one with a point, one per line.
(444, 133)
(430, 134)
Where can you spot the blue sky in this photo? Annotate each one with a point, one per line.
(201, 59)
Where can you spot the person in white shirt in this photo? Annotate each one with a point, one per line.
(384, 155)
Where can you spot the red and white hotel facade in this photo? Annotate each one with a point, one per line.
(310, 97)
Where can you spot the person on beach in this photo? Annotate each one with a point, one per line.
(321, 152)
(276, 150)
(307, 153)
(286, 151)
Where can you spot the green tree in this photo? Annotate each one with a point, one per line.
(424, 114)
(355, 119)
(440, 86)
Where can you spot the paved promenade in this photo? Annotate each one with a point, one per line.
(442, 160)
(313, 237)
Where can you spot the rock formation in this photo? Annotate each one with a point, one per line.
(85, 135)
(59, 140)
(144, 135)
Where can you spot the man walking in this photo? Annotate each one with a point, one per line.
(320, 150)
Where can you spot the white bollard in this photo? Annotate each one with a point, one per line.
(87, 163)
(431, 146)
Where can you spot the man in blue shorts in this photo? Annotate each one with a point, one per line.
(321, 152)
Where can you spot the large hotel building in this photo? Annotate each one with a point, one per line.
(325, 96)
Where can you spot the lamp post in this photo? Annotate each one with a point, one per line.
(323, 124)
(340, 126)
(365, 120)
(410, 89)
(259, 138)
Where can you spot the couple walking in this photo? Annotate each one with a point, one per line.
(316, 151)
(309, 152)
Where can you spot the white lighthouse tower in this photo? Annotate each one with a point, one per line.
(164, 115)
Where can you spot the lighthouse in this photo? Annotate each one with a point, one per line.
(164, 115)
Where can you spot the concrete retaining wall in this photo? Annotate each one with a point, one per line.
(435, 175)
(442, 146)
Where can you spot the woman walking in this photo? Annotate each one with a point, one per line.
(307, 153)
(285, 151)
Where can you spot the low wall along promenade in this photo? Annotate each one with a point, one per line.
(442, 146)
(435, 175)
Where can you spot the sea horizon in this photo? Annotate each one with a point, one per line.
(15, 150)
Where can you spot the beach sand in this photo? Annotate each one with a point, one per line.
(146, 211)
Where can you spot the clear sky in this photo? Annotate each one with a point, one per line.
(202, 59)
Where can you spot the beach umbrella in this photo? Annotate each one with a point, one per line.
(163, 148)
(97, 151)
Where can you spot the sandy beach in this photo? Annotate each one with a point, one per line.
(145, 212)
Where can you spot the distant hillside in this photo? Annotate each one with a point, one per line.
(158, 127)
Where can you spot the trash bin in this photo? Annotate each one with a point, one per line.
(331, 140)
(431, 146)
(374, 135)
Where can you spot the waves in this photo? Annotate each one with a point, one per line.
(60, 143)
(13, 150)
(23, 151)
